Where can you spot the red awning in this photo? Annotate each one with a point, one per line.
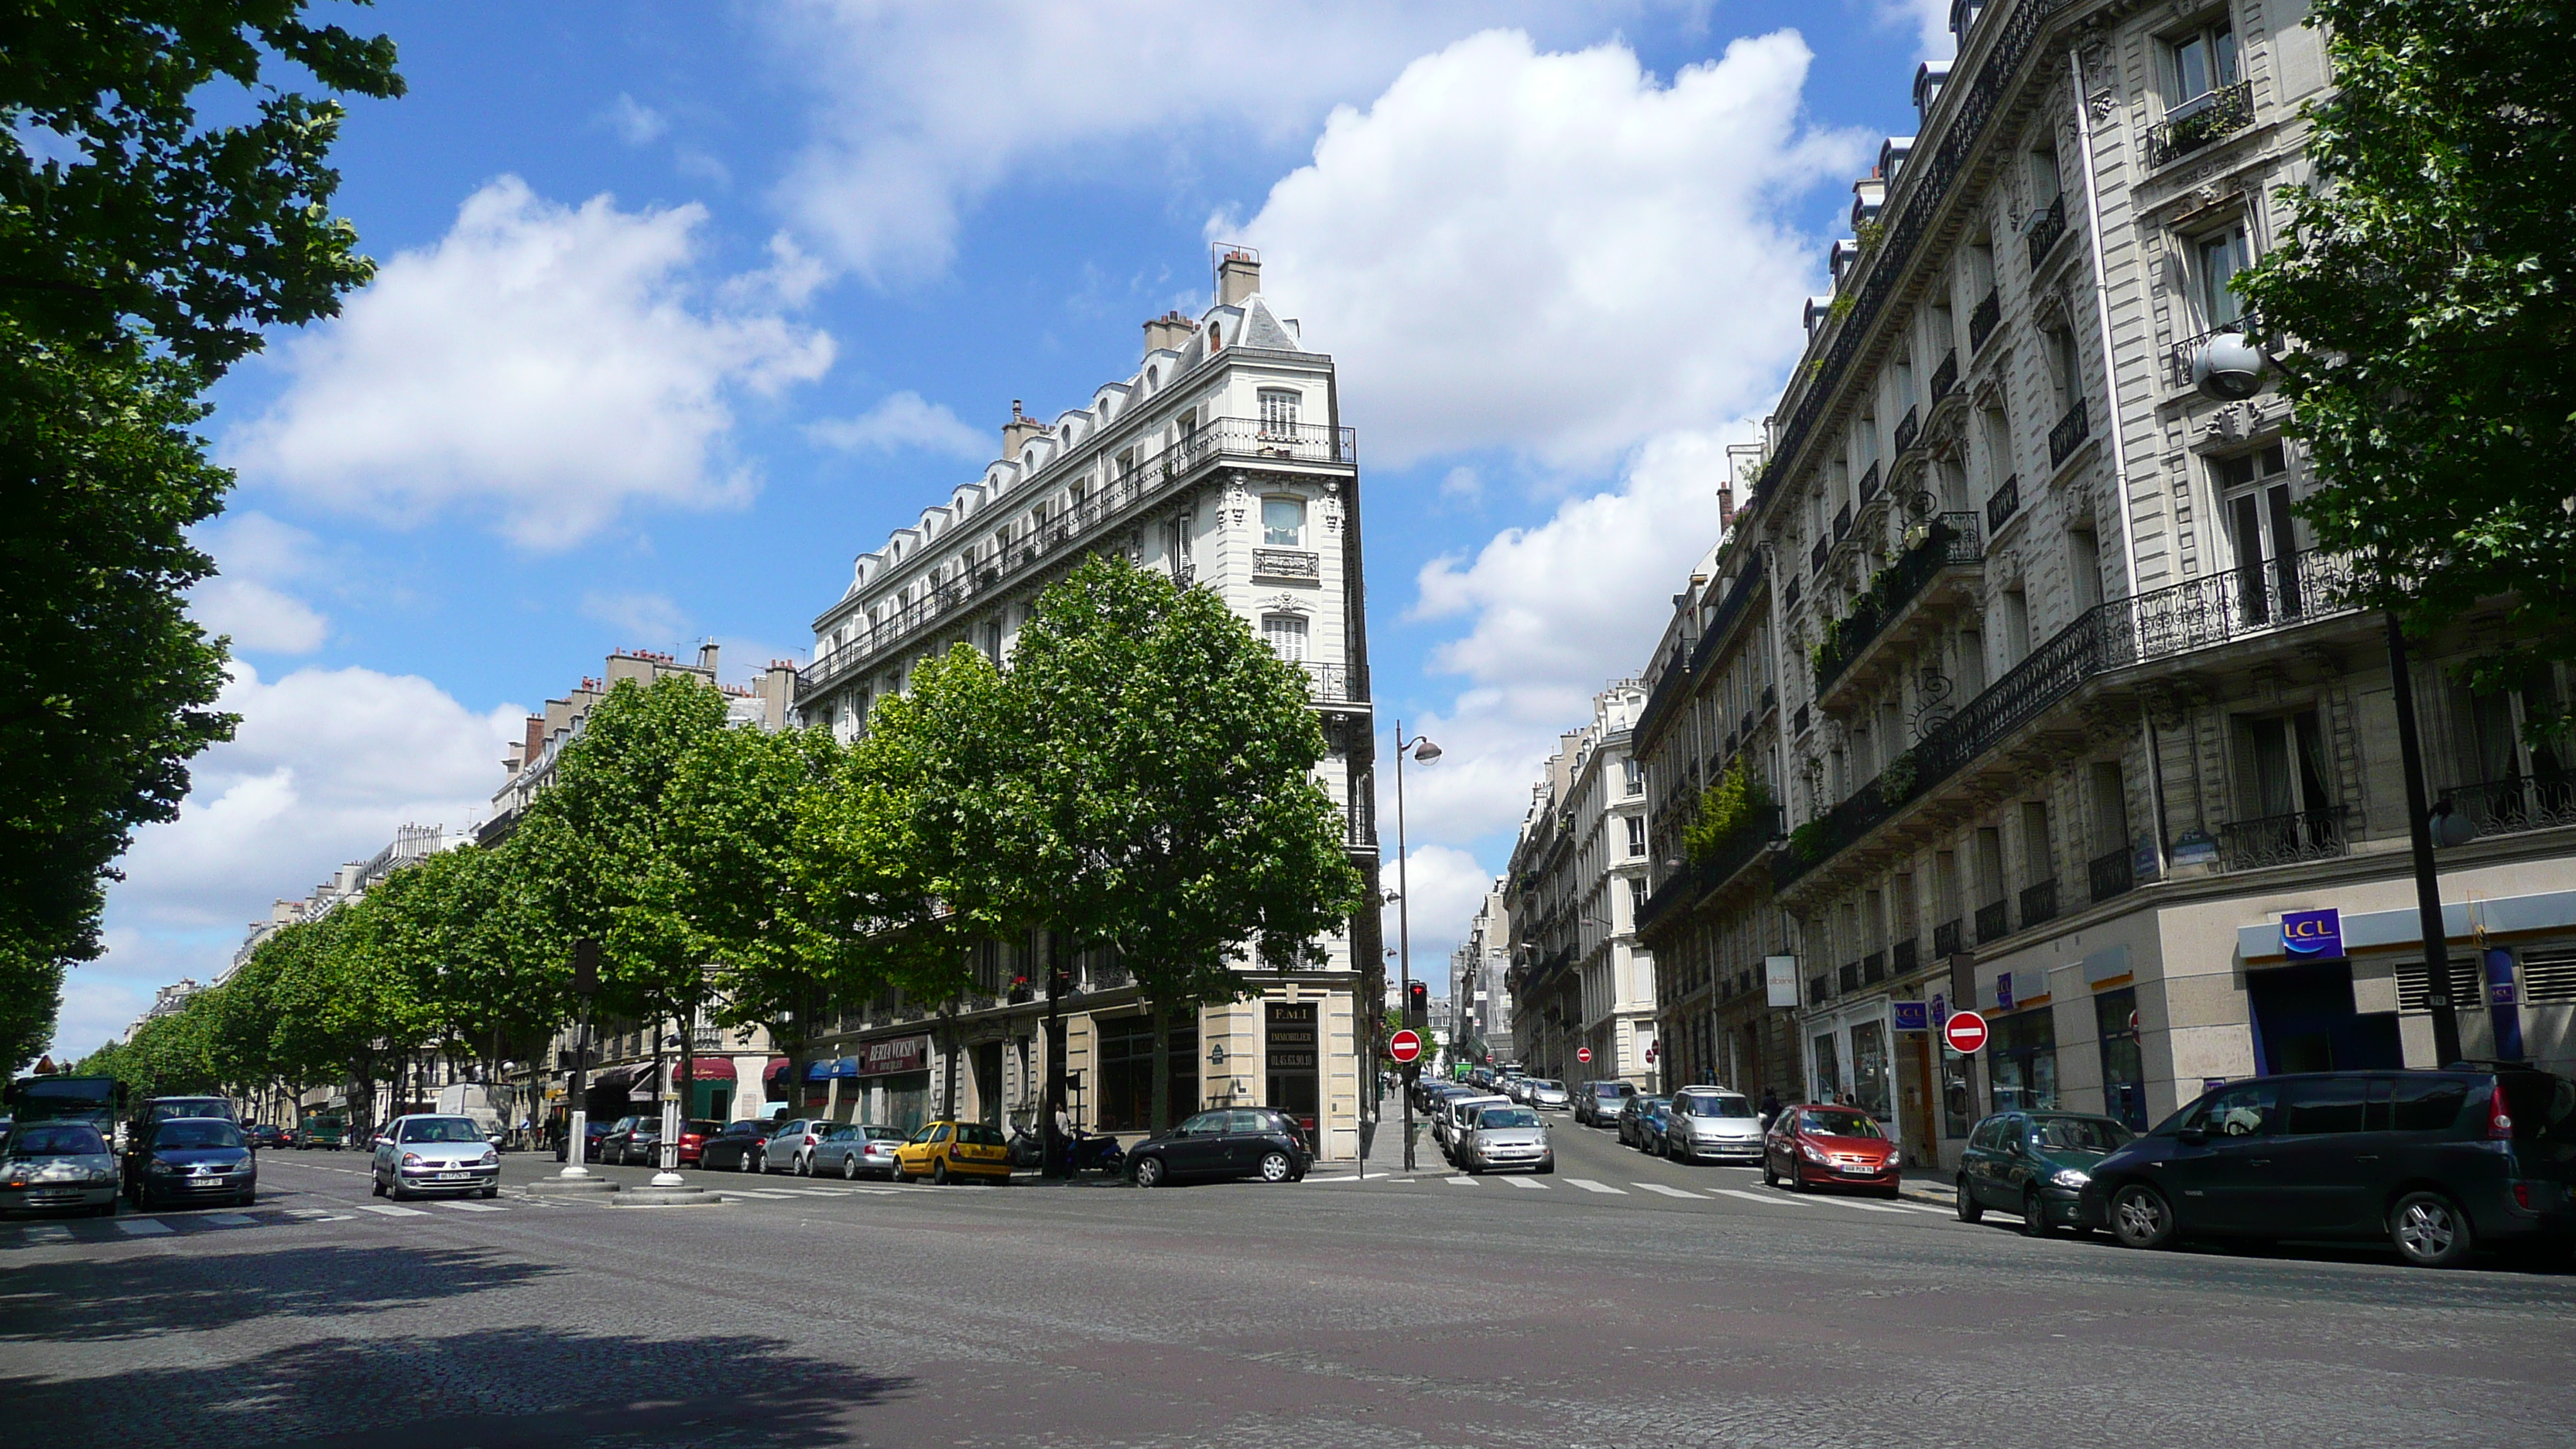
(778, 1067)
(710, 1069)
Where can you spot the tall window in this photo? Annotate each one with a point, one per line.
(1287, 635)
(2204, 62)
(2286, 769)
(1636, 835)
(2216, 259)
(1279, 410)
(2265, 534)
(1636, 775)
(1283, 522)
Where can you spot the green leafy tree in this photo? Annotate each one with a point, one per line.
(142, 250)
(1736, 803)
(463, 926)
(2427, 284)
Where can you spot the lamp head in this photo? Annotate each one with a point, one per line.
(1424, 752)
(2228, 367)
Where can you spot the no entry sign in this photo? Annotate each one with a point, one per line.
(1583, 1055)
(1965, 1031)
(1404, 1046)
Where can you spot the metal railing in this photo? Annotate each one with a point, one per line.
(2220, 607)
(2284, 839)
(2038, 903)
(1850, 976)
(1331, 681)
(2003, 503)
(1905, 957)
(2112, 874)
(2046, 230)
(1982, 321)
(2510, 806)
(1946, 375)
(2178, 360)
(1909, 429)
(2199, 121)
(1873, 968)
(1816, 555)
(1994, 921)
(1945, 939)
(1703, 874)
(2069, 434)
(1820, 987)
(988, 570)
(1293, 564)
(1869, 480)
(1950, 540)
(1842, 523)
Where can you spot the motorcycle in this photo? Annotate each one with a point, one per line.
(1094, 1152)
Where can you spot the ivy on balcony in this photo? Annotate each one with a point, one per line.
(1946, 540)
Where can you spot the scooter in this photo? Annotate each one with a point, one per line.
(1094, 1152)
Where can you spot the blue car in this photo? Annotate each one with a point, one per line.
(190, 1160)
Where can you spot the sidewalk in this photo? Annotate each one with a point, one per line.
(1922, 1184)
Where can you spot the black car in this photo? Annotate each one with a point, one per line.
(268, 1135)
(1229, 1142)
(735, 1149)
(190, 1159)
(2440, 1163)
(631, 1140)
(597, 1133)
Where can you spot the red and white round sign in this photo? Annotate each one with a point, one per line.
(1583, 1055)
(1965, 1032)
(1404, 1046)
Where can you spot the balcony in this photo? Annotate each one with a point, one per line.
(2510, 807)
(1873, 968)
(2046, 230)
(1981, 322)
(1909, 430)
(2069, 434)
(2113, 873)
(2284, 839)
(967, 579)
(1332, 681)
(1949, 541)
(1946, 375)
(1945, 940)
(2178, 361)
(2002, 504)
(1816, 556)
(1850, 976)
(1706, 872)
(2211, 116)
(2038, 903)
(1994, 921)
(1903, 960)
(1869, 480)
(1287, 565)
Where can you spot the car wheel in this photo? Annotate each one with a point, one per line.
(2141, 1218)
(1547, 1168)
(2430, 1230)
(398, 1193)
(1275, 1167)
(1970, 1210)
(748, 1162)
(2034, 1215)
(1149, 1172)
(939, 1173)
(804, 1165)
(376, 1185)
(492, 1192)
(1791, 1180)
(849, 1169)
(1769, 1178)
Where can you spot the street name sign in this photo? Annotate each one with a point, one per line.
(1965, 1031)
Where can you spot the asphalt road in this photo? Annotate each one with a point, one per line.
(1588, 1308)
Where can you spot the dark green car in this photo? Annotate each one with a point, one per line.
(2034, 1164)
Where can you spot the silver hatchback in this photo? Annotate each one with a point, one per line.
(1712, 1123)
(1506, 1136)
(435, 1154)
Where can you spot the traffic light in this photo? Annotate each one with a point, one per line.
(1417, 1006)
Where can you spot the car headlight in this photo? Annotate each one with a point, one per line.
(2070, 1177)
(411, 1159)
(165, 1167)
(1808, 1151)
(490, 1158)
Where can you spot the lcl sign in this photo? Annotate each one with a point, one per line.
(2314, 934)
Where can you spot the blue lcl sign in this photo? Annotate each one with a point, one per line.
(2312, 933)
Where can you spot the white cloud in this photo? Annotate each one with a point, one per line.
(903, 421)
(546, 364)
(1447, 889)
(1554, 252)
(1930, 20)
(649, 617)
(635, 123)
(922, 109)
(326, 764)
(254, 554)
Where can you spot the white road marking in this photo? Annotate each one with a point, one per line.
(1917, 1207)
(48, 1233)
(1588, 1185)
(1771, 1198)
(387, 1209)
(1867, 1207)
(475, 1207)
(1666, 1191)
(230, 1220)
(1462, 1182)
(143, 1227)
(750, 1192)
(814, 1191)
(1526, 1182)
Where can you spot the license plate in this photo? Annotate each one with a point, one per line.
(204, 1182)
(1857, 1169)
(455, 1177)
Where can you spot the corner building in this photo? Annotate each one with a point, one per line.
(1221, 461)
(2076, 714)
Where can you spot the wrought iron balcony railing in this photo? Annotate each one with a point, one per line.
(2113, 873)
(1704, 873)
(2509, 807)
(1909, 429)
(1946, 375)
(1849, 976)
(2003, 503)
(1945, 939)
(2284, 839)
(2178, 361)
(1873, 968)
(1982, 321)
(1949, 540)
(2046, 230)
(1905, 957)
(1332, 681)
(2038, 903)
(2069, 434)
(1994, 921)
(2208, 117)
(1869, 480)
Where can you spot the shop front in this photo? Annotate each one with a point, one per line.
(892, 1081)
(1854, 1058)
(711, 1087)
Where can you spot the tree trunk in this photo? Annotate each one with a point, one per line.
(948, 1056)
(1052, 1141)
(1162, 1069)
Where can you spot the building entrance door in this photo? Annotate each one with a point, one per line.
(1293, 1047)
(988, 1082)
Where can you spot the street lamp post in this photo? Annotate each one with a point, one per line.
(585, 985)
(1425, 752)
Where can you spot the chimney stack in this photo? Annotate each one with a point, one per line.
(707, 659)
(1168, 332)
(1238, 275)
(1017, 432)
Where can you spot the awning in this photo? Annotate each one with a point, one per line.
(843, 1067)
(623, 1079)
(710, 1069)
(778, 1067)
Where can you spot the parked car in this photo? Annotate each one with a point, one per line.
(2440, 1163)
(162, 1109)
(1229, 1142)
(1548, 1095)
(945, 1151)
(53, 1165)
(2035, 1164)
(1507, 1136)
(432, 1153)
(1597, 1104)
(1641, 1123)
(855, 1150)
(630, 1140)
(1713, 1123)
(268, 1135)
(736, 1148)
(190, 1159)
(595, 1132)
(791, 1147)
(1814, 1144)
(1454, 1115)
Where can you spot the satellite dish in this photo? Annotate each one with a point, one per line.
(2228, 367)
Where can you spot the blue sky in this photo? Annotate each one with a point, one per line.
(682, 306)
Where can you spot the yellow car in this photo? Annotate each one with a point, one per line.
(944, 1151)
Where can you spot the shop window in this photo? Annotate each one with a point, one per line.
(2025, 1062)
(1872, 1088)
(2124, 1072)
(1828, 1070)
(1124, 1049)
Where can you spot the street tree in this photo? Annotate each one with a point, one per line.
(2426, 284)
(490, 978)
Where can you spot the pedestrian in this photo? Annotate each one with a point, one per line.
(1770, 1106)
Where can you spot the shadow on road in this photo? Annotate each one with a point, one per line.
(92, 1301)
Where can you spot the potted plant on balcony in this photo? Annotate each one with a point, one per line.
(1737, 802)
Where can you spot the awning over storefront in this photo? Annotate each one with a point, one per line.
(778, 1067)
(711, 1069)
(843, 1067)
(623, 1079)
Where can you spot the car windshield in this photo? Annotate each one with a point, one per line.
(703, 1129)
(1544, 1085)
(1716, 1104)
(747, 1128)
(65, 1140)
(1839, 1124)
(1493, 1117)
(442, 1129)
(2077, 1134)
(171, 1111)
(197, 1132)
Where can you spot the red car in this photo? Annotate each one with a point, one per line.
(1814, 1144)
